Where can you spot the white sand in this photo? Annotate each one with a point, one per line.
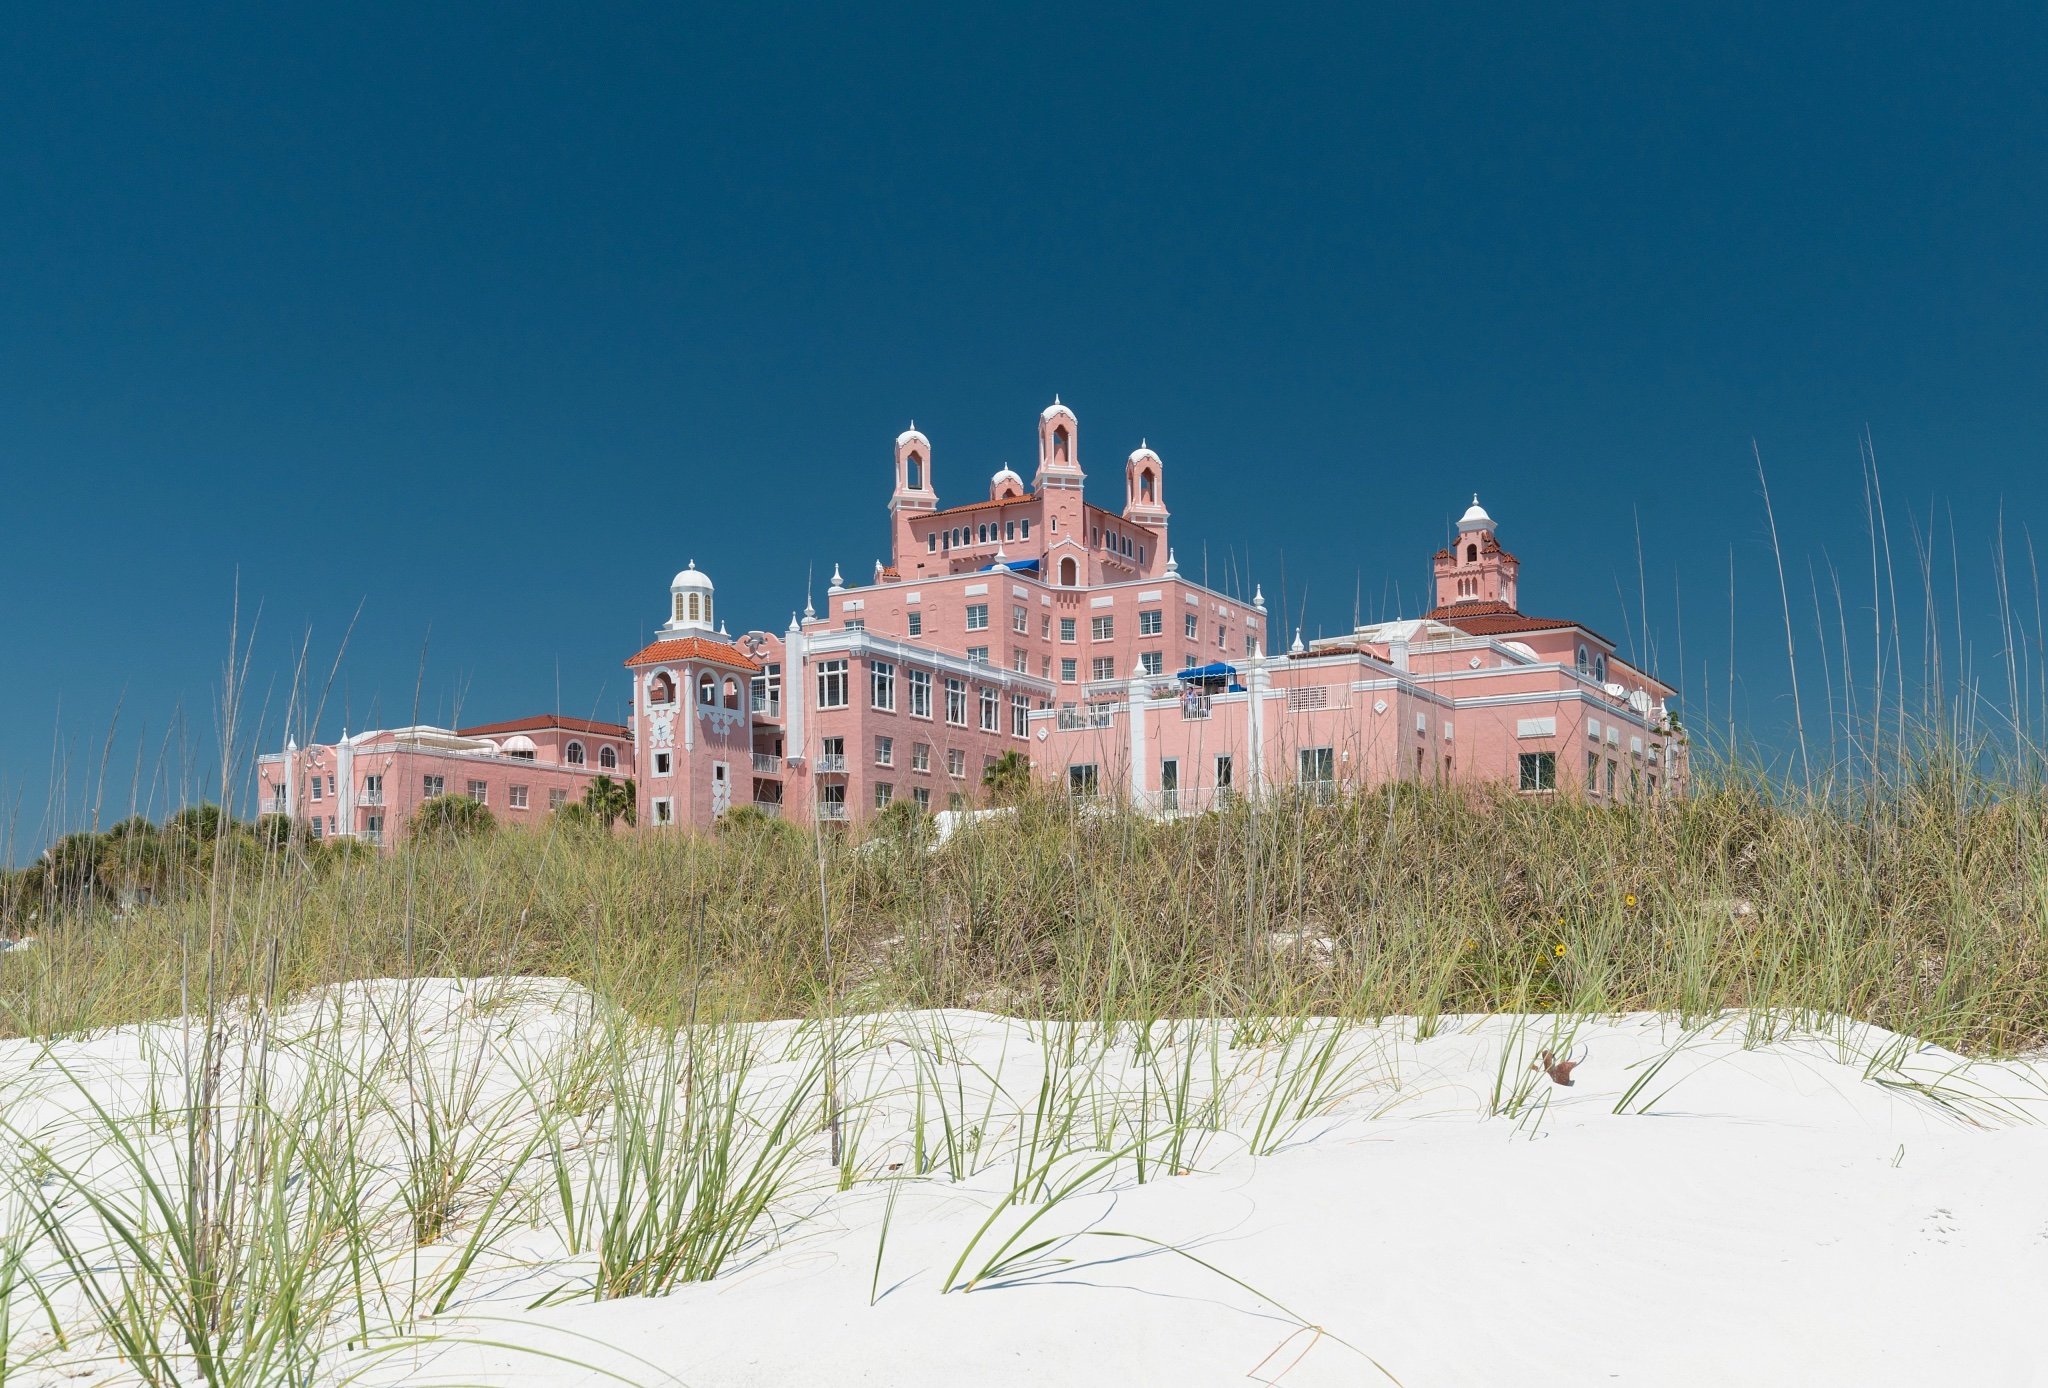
(1790, 1212)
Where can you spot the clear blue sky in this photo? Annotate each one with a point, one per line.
(481, 321)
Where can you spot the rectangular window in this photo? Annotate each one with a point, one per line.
(317, 833)
(1102, 629)
(557, 797)
(664, 811)
(978, 653)
(1318, 766)
(832, 683)
(480, 791)
(991, 711)
(1081, 781)
(431, 786)
(1151, 622)
(956, 762)
(1103, 668)
(920, 693)
(1610, 778)
(1225, 768)
(855, 624)
(1222, 636)
(663, 764)
(917, 624)
(1020, 619)
(1068, 627)
(977, 616)
(1045, 627)
(373, 828)
(831, 754)
(1068, 666)
(1020, 715)
(1169, 784)
(1592, 773)
(883, 685)
(921, 796)
(1191, 620)
(1154, 662)
(1020, 660)
(373, 790)
(316, 789)
(1538, 770)
(884, 793)
(956, 702)
(832, 801)
(885, 751)
(920, 756)
(516, 797)
(1009, 530)
(1251, 646)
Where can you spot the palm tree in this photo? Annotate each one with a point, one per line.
(451, 816)
(1007, 778)
(612, 801)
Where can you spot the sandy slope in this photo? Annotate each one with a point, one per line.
(1792, 1212)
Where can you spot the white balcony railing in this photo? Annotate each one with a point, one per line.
(771, 808)
(1086, 716)
(831, 761)
(765, 707)
(767, 764)
(832, 810)
(370, 797)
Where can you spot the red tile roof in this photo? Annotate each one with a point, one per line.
(694, 648)
(1498, 619)
(544, 721)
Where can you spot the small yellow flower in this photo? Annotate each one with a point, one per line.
(1471, 945)
(1629, 900)
(1560, 951)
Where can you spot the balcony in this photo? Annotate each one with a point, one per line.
(767, 764)
(832, 810)
(370, 797)
(830, 762)
(771, 808)
(1087, 716)
(1194, 707)
(766, 706)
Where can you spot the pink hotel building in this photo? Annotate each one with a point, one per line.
(1038, 623)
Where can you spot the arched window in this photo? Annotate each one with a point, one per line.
(573, 754)
(1069, 572)
(608, 758)
(707, 688)
(981, 534)
(1059, 444)
(916, 473)
(1024, 529)
(679, 607)
(1471, 554)
(707, 609)
(1600, 668)
(931, 543)
(1145, 484)
(1585, 660)
(732, 692)
(661, 690)
(693, 607)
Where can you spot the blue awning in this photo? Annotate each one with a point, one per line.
(1215, 670)
(1015, 566)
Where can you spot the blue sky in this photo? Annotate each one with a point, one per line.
(471, 325)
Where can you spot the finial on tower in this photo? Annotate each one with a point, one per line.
(1258, 597)
(1297, 648)
(1172, 564)
(838, 584)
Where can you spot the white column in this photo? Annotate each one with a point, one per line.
(1255, 723)
(688, 703)
(345, 788)
(793, 691)
(1134, 714)
(291, 777)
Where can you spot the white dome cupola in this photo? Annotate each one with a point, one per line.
(1475, 517)
(690, 601)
